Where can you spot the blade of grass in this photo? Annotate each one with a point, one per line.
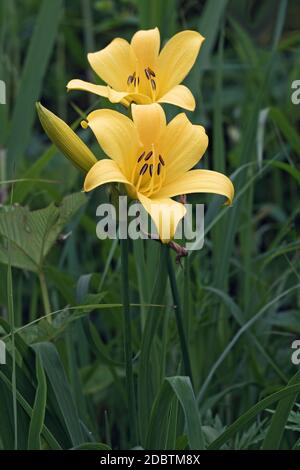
(183, 390)
(39, 408)
(179, 321)
(37, 59)
(275, 432)
(251, 413)
(237, 336)
(11, 316)
(127, 341)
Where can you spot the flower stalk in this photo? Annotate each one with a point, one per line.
(179, 319)
(128, 341)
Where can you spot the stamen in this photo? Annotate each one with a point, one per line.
(151, 72)
(141, 157)
(134, 81)
(158, 168)
(144, 169)
(147, 74)
(149, 155)
(161, 160)
(129, 80)
(138, 80)
(153, 84)
(151, 170)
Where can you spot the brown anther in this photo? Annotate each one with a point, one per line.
(151, 72)
(134, 81)
(151, 169)
(149, 155)
(161, 160)
(147, 74)
(138, 80)
(133, 75)
(144, 169)
(158, 168)
(153, 84)
(141, 157)
(129, 80)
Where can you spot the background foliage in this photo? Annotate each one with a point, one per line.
(61, 312)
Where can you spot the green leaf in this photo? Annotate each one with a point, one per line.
(92, 446)
(31, 80)
(61, 390)
(181, 387)
(39, 407)
(146, 389)
(33, 233)
(239, 424)
(275, 432)
(286, 128)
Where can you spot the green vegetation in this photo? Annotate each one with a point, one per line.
(61, 303)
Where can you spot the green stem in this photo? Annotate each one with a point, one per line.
(45, 295)
(179, 321)
(11, 315)
(127, 342)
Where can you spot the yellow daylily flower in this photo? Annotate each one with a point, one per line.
(138, 73)
(153, 160)
(65, 139)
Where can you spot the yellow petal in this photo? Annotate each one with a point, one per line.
(177, 58)
(65, 139)
(119, 96)
(165, 213)
(146, 44)
(117, 135)
(114, 63)
(181, 96)
(200, 181)
(182, 146)
(104, 171)
(150, 121)
(76, 84)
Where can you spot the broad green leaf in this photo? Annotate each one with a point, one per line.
(33, 233)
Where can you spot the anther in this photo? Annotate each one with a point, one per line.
(138, 80)
(151, 72)
(130, 80)
(144, 169)
(141, 157)
(134, 81)
(147, 74)
(149, 155)
(153, 84)
(161, 160)
(158, 169)
(151, 169)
